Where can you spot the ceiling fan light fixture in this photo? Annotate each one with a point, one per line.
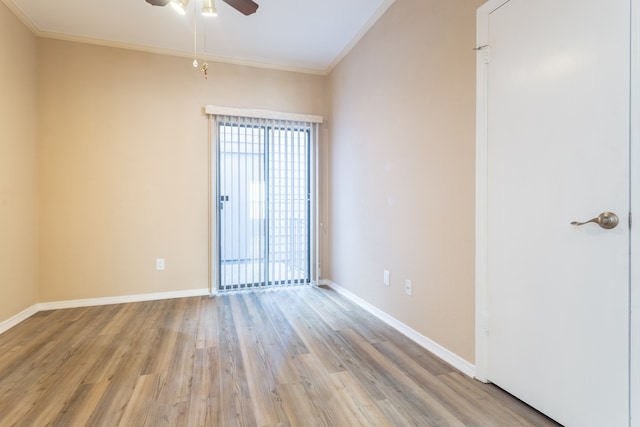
(180, 6)
(209, 8)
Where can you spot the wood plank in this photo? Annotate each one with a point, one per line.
(470, 407)
(234, 400)
(261, 381)
(495, 401)
(300, 409)
(203, 401)
(354, 406)
(207, 324)
(318, 389)
(77, 410)
(313, 332)
(296, 357)
(277, 357)
(280, 325)
(143, 400)
(403, 391)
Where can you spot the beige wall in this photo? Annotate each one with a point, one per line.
(123, 163)
(18, 161)
(401, 191)
(121, 176)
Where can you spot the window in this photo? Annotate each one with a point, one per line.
(265, 202)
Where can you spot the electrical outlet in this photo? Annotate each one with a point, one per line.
(160, 264)
(386, 277)
(407, 287)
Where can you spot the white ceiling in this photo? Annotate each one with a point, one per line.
(305, 35)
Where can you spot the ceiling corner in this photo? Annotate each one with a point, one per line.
(21, 16)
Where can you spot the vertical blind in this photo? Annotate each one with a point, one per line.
(265, 205)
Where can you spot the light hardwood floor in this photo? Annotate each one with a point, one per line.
(296, 357)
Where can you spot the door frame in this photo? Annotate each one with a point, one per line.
(212, 112)
(482, 323)
(635, 208)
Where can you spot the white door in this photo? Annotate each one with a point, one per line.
(558, 123)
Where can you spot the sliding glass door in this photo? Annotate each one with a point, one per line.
(264, 199)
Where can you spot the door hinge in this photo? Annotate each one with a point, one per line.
(485, 324)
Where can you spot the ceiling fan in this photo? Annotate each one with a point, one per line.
(246, 7)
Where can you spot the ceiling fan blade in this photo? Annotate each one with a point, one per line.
(246, 7)
(158, 2)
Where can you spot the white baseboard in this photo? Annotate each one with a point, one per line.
(18, 318)
(448, 356)
(58, 305)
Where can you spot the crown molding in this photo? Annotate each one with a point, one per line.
(363, 30)
(235, 61)
(170, 52)
(21, 16)
(149, 49)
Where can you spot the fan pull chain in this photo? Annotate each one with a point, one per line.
(205, 66)
(195, 38)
